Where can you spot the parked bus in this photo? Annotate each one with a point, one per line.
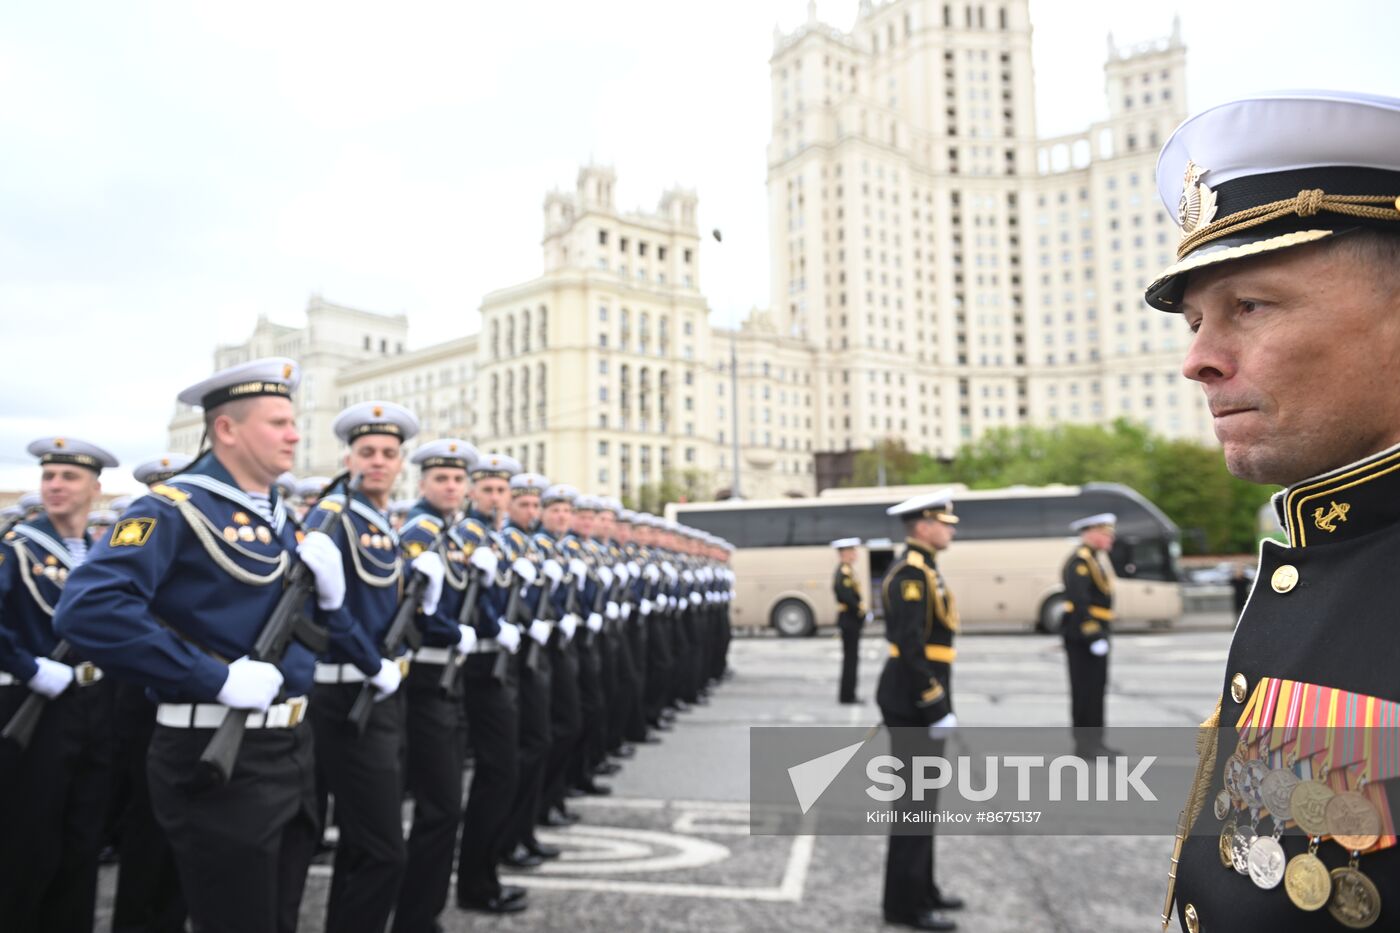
(1004, 565)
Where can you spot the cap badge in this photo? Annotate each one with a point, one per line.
(60, 443)
(286, 370)
(165, 461)
(1197, 205)
(378, 411)
(452, 448)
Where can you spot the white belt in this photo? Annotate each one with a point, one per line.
(486, 646)
(84, 675)
(431, 655)
(338, 674)
(7, 680)
(283, 715)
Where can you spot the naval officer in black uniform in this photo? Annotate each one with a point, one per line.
(1288, 277)
(850, 617)
(916, 694)
(1085, 626)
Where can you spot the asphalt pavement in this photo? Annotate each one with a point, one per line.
(670, 849)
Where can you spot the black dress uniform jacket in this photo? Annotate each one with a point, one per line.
(920, 621)
(847, 595)
(1088, 597)
(1323, 611)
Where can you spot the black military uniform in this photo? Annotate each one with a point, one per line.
(1316, 644)
(915, 692)
(850, 619)
(1085, 627)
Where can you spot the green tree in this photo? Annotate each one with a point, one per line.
(900, 465)
(683, 486)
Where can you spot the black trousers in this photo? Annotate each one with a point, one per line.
(565, 720)
(850, 655)
(242, 849)
(433, 776)
(659, 650)
(593, 706)
(536, 738)
(635, 724)
(909, 864)
(1088, 679)
(53, 798)
(683, 655)
(364, 774)
(610, 683)
(148, 883)
(493, 717)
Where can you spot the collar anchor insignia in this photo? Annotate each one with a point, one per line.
(1327, 520)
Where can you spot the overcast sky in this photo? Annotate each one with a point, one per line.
(169, 171)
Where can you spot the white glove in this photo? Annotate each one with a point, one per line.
(429, 564)
(524, 570)
(611, 610)
(466, 640)
(605, 576)
(687, 576)
(320, 555)
(943, 728)
(633, 569)
(595, 622)
(620, 571)
(53, 677)
(253, 684)
(644, 607)
(569, 625)
(387, 680)
(626, 611)
(485, 560)
(652, 573)
(553, 571)
(578, 568)
(509, 637)
(539, 631)
(1099, 647)
(869, 617)
(695, 599)
(670, 573)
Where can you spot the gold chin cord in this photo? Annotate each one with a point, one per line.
(1305, 204)
(1206, 739)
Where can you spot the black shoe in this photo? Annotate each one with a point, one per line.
(607, 768)
(852, 700)
(521, 857)
(594, 789)
(110, 855)
(559, 816)
(648, 739)
(543, 850)
(701, 700)
(625, 751)
(499, 904)
(925, 920)
(682, 706)
(512, 892)
(662, 725)
(948, 902)
(573, 793)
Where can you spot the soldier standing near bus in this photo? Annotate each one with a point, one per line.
(1088, 612)
(851, 615)
(916, 695)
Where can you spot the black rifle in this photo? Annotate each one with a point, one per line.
(402, 628)
(447, 683)
(287, 623)
(20, 728)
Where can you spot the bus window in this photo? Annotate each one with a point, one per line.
(989, 519)
(880, 561)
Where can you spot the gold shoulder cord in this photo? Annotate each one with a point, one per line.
(369, 578)
(206, 534)
(454, 580)
(24, 560)
(1206, 739)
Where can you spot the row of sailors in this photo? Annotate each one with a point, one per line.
(561, 627)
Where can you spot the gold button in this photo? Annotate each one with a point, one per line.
(1193, 920)
(1239, 688)
(1284, 578)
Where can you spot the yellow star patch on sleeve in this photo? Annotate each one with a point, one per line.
(1082, 570)
(911, 590)
(132, 532)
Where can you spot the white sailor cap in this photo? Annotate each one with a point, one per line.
(559, 492)
(937, 505)
(311, 487)
(106, 517)
(368, 418)
(275, 376)
(1265, 173)
(609, 504)
(1094, 521)
(10, 513)
(528, 484)
(445, 452)
(401, 506)
(71, 451)
(161, 468)
(583, 503)
(121, 503)
(494, 465)
(841, 543)
(30, 501)
(626, 516)
(286, 484)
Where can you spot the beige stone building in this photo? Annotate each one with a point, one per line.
(938, 270)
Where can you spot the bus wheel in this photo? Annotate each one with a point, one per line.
(1048, 621)
(792, 618)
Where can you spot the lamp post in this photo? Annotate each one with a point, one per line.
(734, 492)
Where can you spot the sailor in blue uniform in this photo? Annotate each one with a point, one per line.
(491, 701)
(363, 772)
(433, 764)
(565, 711)
(160, 469)
(53, 793)
(174, 600)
